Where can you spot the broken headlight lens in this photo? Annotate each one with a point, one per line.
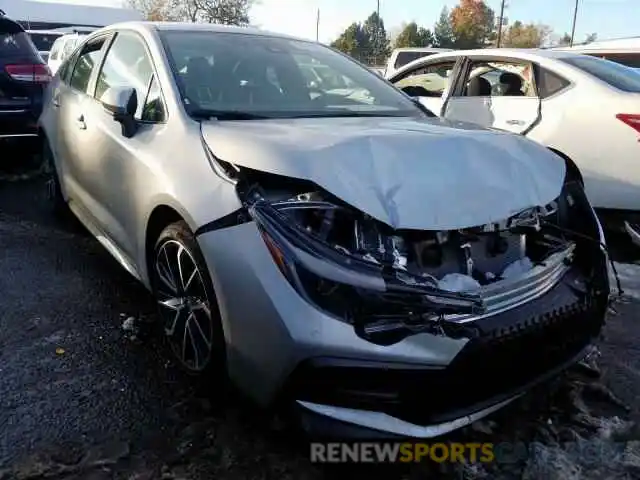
(343, 284)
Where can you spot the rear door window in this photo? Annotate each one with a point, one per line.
(550, 83)
(432, 79)
(616, 75)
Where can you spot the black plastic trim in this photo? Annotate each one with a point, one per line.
(232, 219)
(318, 425)
(513, 352)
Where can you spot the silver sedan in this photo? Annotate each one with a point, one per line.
(350, 257)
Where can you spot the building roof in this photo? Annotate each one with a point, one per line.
(32, 11)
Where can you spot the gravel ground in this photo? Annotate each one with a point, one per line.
(81, 397)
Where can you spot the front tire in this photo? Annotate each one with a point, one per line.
(187, 305)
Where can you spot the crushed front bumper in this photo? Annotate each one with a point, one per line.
(279, 346)
(514, 351)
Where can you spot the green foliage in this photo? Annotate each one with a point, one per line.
(470, 24)
(414, 36)
(377, 37)
(565, 40)
(443, 31)
(592, 37)
(354, 41)
(473, 24)
(367, 42)
(520, 35)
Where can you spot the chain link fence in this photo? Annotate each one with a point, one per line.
(371, 60)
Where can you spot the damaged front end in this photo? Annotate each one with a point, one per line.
(390, 284)
(528, 294)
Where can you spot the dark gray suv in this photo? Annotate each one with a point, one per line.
(23, 78)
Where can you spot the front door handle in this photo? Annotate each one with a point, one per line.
(515, 122)
(81, 123)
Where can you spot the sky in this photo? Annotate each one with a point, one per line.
(608, 18)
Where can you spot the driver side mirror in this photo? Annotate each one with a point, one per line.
(122, 103)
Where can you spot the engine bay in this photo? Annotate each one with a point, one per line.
(457, 260)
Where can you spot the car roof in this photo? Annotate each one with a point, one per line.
(196, 27)
(523, 53)
(421, 49)
(622, 45)
(527, 54)
(9, 26)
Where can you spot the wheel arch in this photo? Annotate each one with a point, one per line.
(572, 168)
(161, 216)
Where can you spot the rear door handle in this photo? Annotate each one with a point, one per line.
(55, 99)
(81, 123)
(515, 122)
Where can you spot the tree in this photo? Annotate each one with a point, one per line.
(414, 36)
(520, 35)
(473, 24)
(377, 35)
(443, 31)
(592, 37)
(155, 10)
(565, 40)
(354, 41)
(187, 10)
(228, 12)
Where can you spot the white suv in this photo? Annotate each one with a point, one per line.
(402, 56)
(62, 48)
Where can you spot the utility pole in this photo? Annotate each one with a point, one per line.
(318, 25)
(377, 39)
(573, 26)
(500, 21)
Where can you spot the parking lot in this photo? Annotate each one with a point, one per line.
(81, 397)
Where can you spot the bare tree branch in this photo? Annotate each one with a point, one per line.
(227, 12)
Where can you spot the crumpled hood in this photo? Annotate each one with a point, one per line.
(407, 173)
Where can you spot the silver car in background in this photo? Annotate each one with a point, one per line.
(374, 269)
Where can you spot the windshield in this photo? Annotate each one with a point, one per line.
(44, 41)
(276, 77)
(618, 76)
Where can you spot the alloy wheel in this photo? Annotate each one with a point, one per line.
(184, 305)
